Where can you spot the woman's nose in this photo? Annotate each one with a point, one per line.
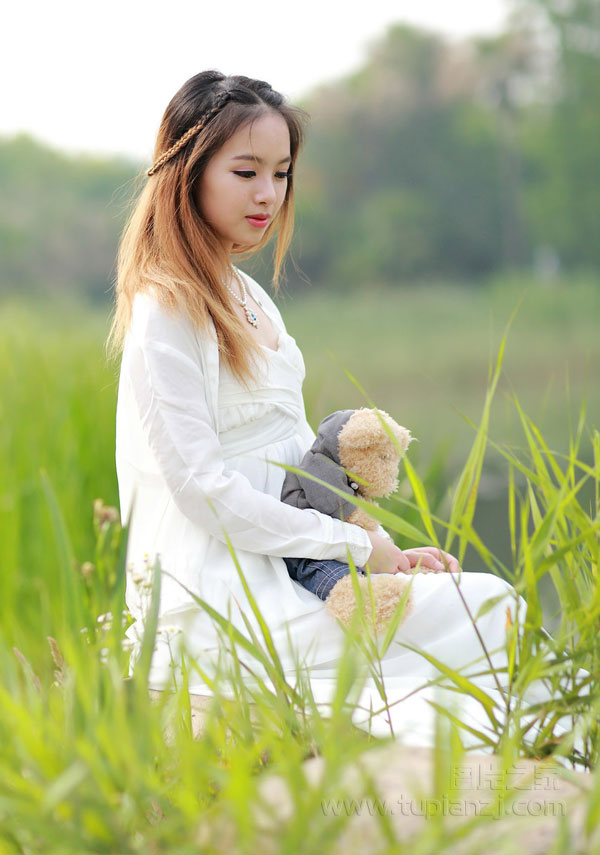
(265, 192)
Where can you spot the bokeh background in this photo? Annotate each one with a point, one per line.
(451, 174)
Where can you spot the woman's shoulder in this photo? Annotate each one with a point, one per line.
(153, 322)
(151, 318)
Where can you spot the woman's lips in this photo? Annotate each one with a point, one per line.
(259, 221)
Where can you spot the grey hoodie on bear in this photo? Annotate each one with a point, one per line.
(323, 461)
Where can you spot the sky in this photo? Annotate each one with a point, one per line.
(97, 78)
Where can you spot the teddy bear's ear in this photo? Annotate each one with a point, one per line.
(362, 430)
(367, 429)
(402, 434)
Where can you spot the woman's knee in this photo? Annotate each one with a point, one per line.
(489, 586)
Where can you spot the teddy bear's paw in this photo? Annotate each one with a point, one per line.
(422, 569)
(431, 570)
(362, 519)
(379, 600)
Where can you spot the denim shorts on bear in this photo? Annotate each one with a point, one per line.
(319, 577)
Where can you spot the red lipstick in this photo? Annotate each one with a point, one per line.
(259, 221)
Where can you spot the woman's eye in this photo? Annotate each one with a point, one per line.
(250, 173)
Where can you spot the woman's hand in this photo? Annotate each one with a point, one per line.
(430, 559)
(386, 557)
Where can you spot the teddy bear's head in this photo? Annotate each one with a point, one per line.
(371, 445)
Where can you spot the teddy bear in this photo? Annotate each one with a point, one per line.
(359, 453)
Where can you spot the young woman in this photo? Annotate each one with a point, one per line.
(211, 390)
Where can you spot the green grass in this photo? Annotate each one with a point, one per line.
(84, 764)
(423, 355)
(57, 401)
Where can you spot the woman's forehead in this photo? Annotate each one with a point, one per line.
(266, 138)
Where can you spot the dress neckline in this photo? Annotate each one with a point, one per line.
(279, 342)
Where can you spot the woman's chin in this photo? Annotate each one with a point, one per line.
(240, 249)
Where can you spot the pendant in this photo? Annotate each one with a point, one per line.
(251, 317)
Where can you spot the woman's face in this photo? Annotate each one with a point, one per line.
(244, 183)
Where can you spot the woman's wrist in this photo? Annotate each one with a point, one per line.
(362, 547)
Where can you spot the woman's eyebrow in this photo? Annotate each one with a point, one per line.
(259, 160)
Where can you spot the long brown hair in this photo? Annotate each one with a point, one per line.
(167, 245)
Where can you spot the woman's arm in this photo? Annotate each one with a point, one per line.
(162, 363)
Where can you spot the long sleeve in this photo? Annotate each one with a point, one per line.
(163, 363)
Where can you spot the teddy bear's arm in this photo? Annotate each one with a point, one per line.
(363, 519)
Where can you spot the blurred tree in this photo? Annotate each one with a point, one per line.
(412, 169)
(434, 160)
(563, 134)
(60, 219)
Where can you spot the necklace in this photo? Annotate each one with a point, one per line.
(250, 316)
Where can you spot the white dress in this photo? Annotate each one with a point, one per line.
(196, 457)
